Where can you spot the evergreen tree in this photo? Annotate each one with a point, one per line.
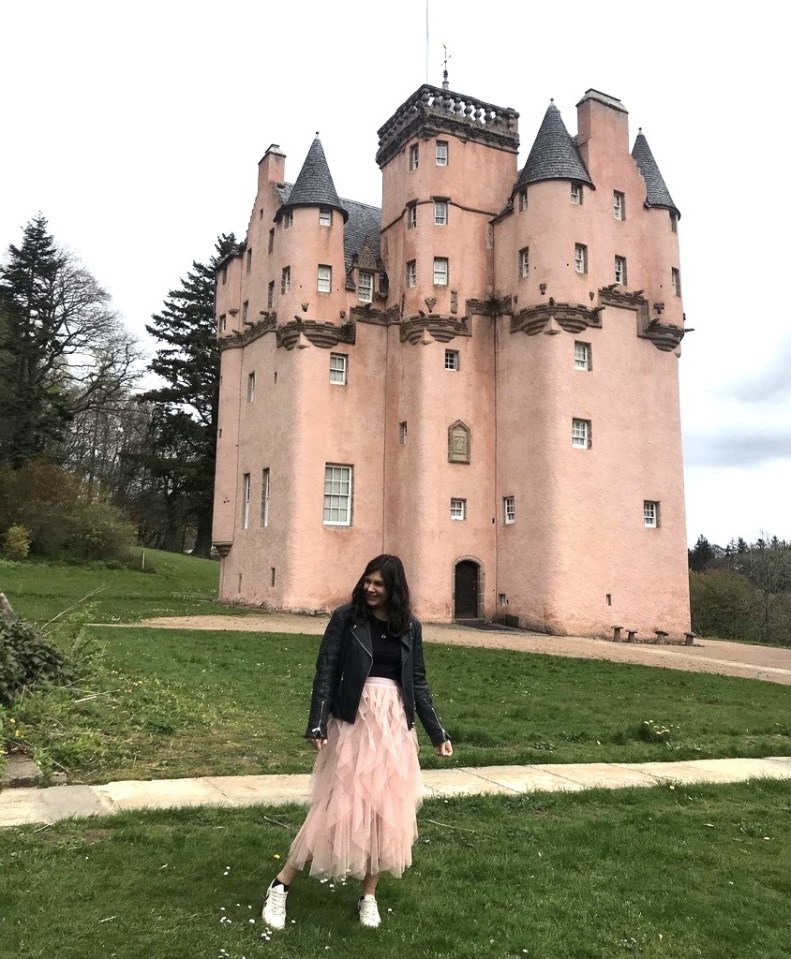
(701, 554)
(185, 423)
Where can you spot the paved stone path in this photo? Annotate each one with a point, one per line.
(29, 806)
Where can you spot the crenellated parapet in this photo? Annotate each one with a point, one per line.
(441, 328)
(571, 317)
(431, 110)
(316, 332)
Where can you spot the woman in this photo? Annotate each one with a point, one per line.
(370, 680)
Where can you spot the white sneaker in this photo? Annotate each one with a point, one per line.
(369, 912)
(274, 913)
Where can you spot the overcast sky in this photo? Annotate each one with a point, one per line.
(136, 130)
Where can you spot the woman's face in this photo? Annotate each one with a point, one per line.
(376, 595)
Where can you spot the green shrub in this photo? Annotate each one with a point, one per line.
(99, 532)
(27, 660)
(16, 542)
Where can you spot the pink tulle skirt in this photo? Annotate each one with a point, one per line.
(366, 790)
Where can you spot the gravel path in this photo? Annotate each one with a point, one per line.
(768, 663)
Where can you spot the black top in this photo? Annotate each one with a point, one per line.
(387, 651)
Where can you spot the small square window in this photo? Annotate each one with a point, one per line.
(325, 217)
(576, 194)
(414, 156)
(452, 360)
(411, 273)
(458, 509)
(324, 279)
(249, 260)
(522, 201)
(509, 510)
(582, 356)
(440, 271)
(339, 365)
(650, 513)
(442, 152)
(618, 205)
(524, 262)
(581, 434)
(285, 279)
(675, 281)
(250, 387)
(440, 213)
(365, 287)
(580, 258)
(270, 295)
(411, 216)
(402, 433)
(620, 270)
(271, 244)
(288, 219)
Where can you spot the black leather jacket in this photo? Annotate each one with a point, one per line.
(344, 662)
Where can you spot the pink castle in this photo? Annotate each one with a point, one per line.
(481, 376)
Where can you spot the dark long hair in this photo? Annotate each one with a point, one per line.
(394, 577)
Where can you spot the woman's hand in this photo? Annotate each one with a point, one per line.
(319, 744)
(444, 749)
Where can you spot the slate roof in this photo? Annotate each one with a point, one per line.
(363, 223)
(657, 194)
(314, 185)
(554, 155)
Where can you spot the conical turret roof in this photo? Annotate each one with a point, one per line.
(314, 185)
(554, 155)
(657, 194)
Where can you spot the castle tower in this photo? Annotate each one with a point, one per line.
(480, 376)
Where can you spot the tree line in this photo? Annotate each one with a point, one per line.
(89, 463)
(743, 590)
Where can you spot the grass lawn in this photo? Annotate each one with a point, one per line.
(659, 874)
(169, 703)
(171, 585)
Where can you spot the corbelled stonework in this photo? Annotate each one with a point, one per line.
(572, 317)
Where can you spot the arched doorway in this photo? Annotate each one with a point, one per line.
(466, 589)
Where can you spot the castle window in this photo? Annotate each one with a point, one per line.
(414, 156)
(270, 294)
(285, 279)
(440, 271)
(265, 497)
(581, 434)
(458, 509)
(402, 433)
(250, 387)
(576, 194)
(458, 443)
(580, 258)
(224, 275)
(222, 324)
(673, 222)
(325, 217)
(509, 510)
(288, 219)
(245, 501)
(524, 262)
(650, 513)
(271, 245)
(411, 216)
(339, 365)
(582, 356)
(411, 273)
(442, 152)
(245, 308)
(324, 278)
(675, 281)
(338, 495)
(620, 270)
(618, 205)
(365, 287)
(452, 360)
(440, 213)
(522, 200)
(249, 260)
